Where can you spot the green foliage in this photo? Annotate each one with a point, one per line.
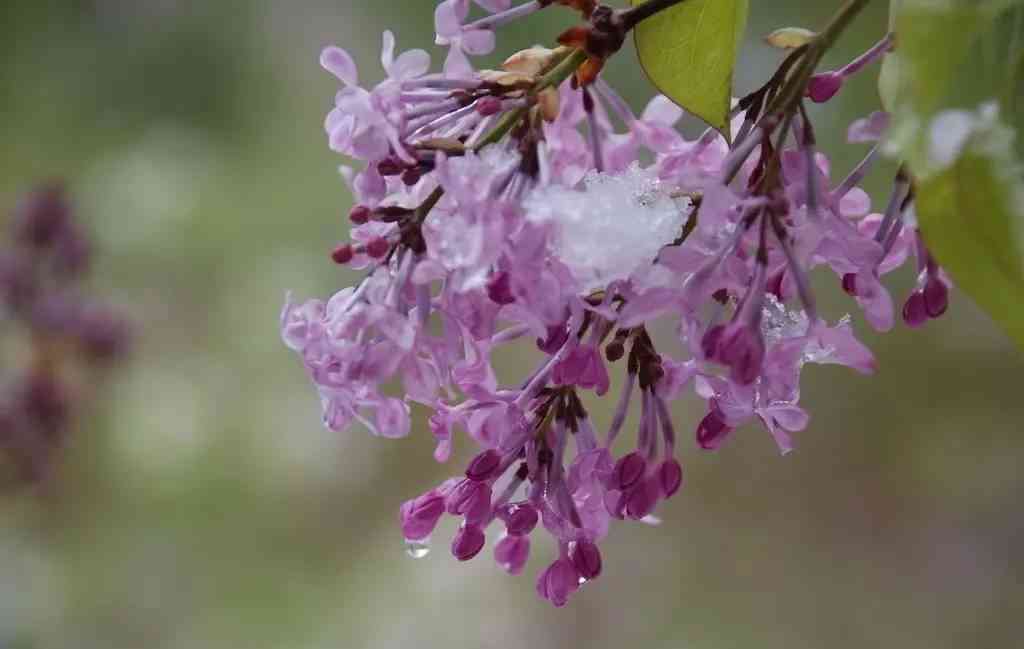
(960, 54)
(973, 223)
(689, 52)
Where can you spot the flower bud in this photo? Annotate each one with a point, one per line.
(359, 214)
(378, 247)
(391, 166)
(712, 430)
(670, 473)
(342, 254)
(824, 86)
(41, 218)
(468, 542)
(72, 251)
(519, 518)
(45, 402)
(419, 516)
(484, 466)
(557, 582)
(745, 354)
(915, 310)
(936, 296)
(614, 350)
(411, 176)
(628, 470)
(103, 334)
(499, 289)
(511, 553)
(850, 284)
(642, 498)
(470, 499)
(710, 340)
(487, 106)
(586, 558)
(17, 281)
(557, 335)
(615, 504)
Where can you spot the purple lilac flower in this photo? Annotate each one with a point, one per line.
(498, 207)
(68, 334)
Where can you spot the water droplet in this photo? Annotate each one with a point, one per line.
(417, 549)
(651, 520)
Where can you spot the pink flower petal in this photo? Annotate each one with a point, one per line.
(339, 63)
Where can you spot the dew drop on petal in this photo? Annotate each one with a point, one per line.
(417, 549)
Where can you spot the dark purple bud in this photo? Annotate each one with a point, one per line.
(850, 284)
(615, 503)
(558, 582)
(456, 501)
(484, 466)
(595, 374)
(55, 313)
(586, 558)
(557, 335)
(670, 473)
(419, 516)
(411, 176)
(470, 499)
(824, 86)
(17, 282)
(499, 289)
(519, 518)
(42, 216)
(72, 252)
(775, 285)
(614, 350)
(378, 247)
(936, 296)
(915, 310)
(487, 106)
(523, 471)
(709, 342)
(712, 430)
(342, 254)
(390, 166)
(511, 553)
(359, 214)
(8, 421)
(628, 470)
(45, 402)
(102, 333)
(544, 456)
(468, 542)
(643, 497)
(742, 349)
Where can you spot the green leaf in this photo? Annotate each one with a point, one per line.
(689, 52)
(970, 187)
(972, 219)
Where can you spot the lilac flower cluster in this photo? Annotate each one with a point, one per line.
(498, 205)
(55, 336)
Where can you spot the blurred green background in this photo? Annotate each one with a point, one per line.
(204, 506)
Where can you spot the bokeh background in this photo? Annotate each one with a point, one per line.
(202, 504)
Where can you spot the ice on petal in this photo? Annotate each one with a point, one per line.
(613, 226)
